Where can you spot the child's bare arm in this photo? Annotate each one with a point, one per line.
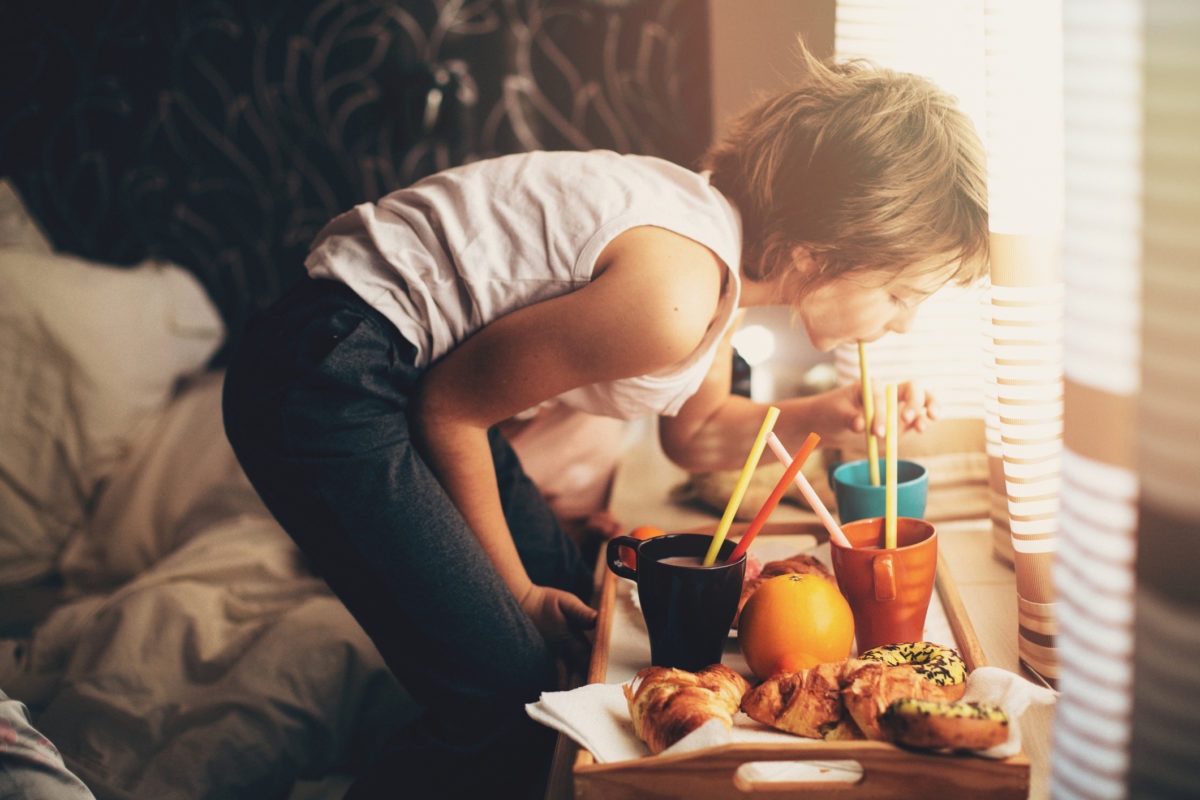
(649, 309)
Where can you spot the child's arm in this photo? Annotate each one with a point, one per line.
(649, 308)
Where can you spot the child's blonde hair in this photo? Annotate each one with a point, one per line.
(867, 168)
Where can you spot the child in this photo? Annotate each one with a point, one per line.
(364, 406)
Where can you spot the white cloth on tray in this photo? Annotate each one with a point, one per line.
(596, 717)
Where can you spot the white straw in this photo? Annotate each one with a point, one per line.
(810, 494)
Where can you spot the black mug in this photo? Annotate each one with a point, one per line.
(688, 607)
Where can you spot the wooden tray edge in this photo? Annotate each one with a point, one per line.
(889, 773)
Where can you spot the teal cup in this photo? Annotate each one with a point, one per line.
(858, 499)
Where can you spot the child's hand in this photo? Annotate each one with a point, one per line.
(915, 409)
(841, 409)
(562, 619)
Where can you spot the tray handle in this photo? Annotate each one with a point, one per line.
(736, 771)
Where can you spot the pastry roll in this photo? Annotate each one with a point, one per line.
(667, 704)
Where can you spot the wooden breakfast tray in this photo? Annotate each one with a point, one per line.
(736, 770)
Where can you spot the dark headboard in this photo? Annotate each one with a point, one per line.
(221, 134)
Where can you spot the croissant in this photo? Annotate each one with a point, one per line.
(858, 699)
(800, 564)
(841, 699)
(806, 703)
(667, 704)
(869, 687)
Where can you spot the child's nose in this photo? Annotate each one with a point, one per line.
(902, 321)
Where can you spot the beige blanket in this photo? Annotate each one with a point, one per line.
(201, 659)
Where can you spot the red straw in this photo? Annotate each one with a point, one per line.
(776, 495)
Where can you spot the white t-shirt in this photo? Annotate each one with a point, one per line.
(453, 252)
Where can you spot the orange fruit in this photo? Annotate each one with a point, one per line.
(793, 622)
(628, 554)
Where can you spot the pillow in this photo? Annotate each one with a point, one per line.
(89, 356)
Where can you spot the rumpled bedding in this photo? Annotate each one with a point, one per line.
(201, 658)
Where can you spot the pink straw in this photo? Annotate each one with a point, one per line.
(789, 474)
(810, 494)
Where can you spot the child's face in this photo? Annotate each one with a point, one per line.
(862, 307)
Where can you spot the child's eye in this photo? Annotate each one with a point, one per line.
(899, 301)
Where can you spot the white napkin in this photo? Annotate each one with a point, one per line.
(1012, 693)
(596, 717)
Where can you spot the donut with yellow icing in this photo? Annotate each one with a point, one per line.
(937, 725)
(934, 662)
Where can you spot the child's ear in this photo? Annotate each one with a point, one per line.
(803, 261)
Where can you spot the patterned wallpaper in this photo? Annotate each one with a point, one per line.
(221, 134)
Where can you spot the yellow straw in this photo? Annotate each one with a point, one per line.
(739, 490)
(868, 402)
(889, 513)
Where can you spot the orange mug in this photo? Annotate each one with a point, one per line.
(888, 589)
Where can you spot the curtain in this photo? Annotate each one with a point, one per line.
(1094, 571)
(1165, 733)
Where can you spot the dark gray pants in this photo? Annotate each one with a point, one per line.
(315, 407)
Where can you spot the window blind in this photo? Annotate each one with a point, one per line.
(1002, 58)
